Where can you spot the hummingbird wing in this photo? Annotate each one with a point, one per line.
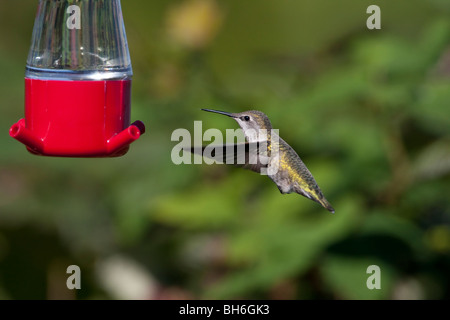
(251, 156)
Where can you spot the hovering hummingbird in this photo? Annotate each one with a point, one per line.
(291, 174)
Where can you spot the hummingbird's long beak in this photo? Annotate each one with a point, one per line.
(220, 112)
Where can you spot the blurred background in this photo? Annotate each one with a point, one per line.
(368, 111)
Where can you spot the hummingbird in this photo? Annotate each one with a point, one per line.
(267, 151)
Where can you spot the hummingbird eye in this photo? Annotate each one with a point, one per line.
(246, 118)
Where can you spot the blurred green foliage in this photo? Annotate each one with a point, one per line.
(368, 112)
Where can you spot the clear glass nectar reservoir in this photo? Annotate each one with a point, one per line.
(79, 40)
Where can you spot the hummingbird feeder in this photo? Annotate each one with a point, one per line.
(78, 82)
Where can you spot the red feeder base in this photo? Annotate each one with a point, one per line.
(77, 118)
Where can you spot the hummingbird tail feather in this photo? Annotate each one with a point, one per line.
(326, 205)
